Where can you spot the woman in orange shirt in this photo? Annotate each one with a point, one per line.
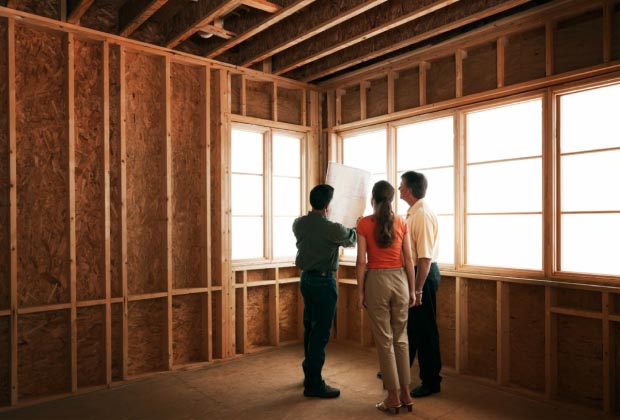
(385, 278)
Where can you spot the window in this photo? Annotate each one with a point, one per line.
(589, 169)
(504, 186)
(266, 189)
(428, 147)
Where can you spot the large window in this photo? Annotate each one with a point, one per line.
(589, 170)
(266, 192)
(504, 186)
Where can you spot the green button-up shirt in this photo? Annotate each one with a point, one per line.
(318, 240)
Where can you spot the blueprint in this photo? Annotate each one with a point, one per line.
(351, 189)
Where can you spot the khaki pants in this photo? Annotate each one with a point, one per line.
(387, 299)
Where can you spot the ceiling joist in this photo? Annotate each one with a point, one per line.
(78, 10)
(135, 12)
(265, 6)
(217, 31)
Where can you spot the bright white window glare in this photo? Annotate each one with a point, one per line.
(286, 155)
(446, 239)
(366, 151)
(247, 195)
(247, 237)
(508, 131)
(425, 144)
(247, 152)
(286, 196)
(590, 243)
(514, 186)
(589, 119)
(510, 241)
(284, 243)
(440, 191)
(585, 181)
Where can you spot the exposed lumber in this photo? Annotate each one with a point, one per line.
(11, 4)
(78, 10)
(196, 15)
(265, 6)
(259, 27)
(168, 347)
(217, 31)
(123, 176)
(501, 60)
(105, 87)
(135, 12)
(316, 18)
(424, 27)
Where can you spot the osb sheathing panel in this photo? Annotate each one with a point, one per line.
(578, 42)
(482, 328)
(377, 98)
(188, 328)
(5, 363)
(258, 316)
(441, 80)
(260, 275)
(116, 256)
(117, 342)
(289, 105)
(235, 93)
(188, 160)
(527, 336)
(578, 299)
(615, 37)
(615, 359)
(146, 171)
(354, 317)
(91, 346)
(580, 360)
(324, 110)
(446, 320)
(480, 69)
(43, 354)
(146, 336)
(288, 272)
(102, 16)
(524, 56)
(45, 8)
(259, 99)
(216, 173)
(42, 168)
(289, 304)
(346, 272)
(239, 321)
(89, 171)
(5, 231)
(350, 105)
(407, 89)
(614, 304)
(216, 324)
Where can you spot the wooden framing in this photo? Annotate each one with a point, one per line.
(133, 14)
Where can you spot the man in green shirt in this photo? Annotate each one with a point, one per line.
(318, 241)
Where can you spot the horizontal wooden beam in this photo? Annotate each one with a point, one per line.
(217, 31)
(311, 21)
(452, 17)
(196, 15)
(78, 10)
(265, 6)
(135, 12)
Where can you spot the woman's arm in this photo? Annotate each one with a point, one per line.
(409, 269)
(360, 266)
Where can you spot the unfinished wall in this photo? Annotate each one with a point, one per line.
(5, 232)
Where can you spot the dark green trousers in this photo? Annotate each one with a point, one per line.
(320, 297)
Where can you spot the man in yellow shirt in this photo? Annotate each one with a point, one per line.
(422, 328)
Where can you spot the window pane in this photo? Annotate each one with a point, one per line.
(585, 181)
(247, 152)
(247, 195)
(590, 243)
(247, 237)
(589, 119)
(510, 241)
(366, 151)
(446, 239)
(506, 132)
(283, 237)
(286, 196)
(514, 186)
(286, 155)
(425, 144)
(440, 191)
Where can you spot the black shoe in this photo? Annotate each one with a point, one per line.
(424, 391)
(325, 391)
(379, 375)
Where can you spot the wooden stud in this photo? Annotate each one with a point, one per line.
(274, 314)
(461, 325)
(330, 97)
(392, 76)
(339, 93)
(607, 25)
(168, 350)
(549, 50)
(205, 205)
(243, 99)
(274, 101)
(123, 176)
(608, 397)
(105, 87)
(424, 66)
(501, 60)
(364, 86)
(304, 111)
(503, 333)
(459, 57)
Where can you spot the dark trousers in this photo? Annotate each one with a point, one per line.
(320, 297)
(423, 332)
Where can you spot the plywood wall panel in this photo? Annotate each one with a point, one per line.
(102, 16)
(91, 357)
(42, 168)
(146, 153)
(216, 324)
(89, 171)
(5, 231)
(377, 98)
(580, 360)
(525, 56)
(147, 335)
(235, 93)
(407, 89)
(441, 80)
(289, 273)
(43, 354)
(446, 320)
(117, 341)
(527, 336)
(288, 309)
(240, 330)
(578, 42)
(187, 177)
(578, 299)
(260, 275)
(354, 316)
(258, 316)
(482, 328)
(290, 105)
(259, 99)
(5, 361)
(480, 69)
(187, 327)
(350, 108)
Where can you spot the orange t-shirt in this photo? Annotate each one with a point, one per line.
(383, 257)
